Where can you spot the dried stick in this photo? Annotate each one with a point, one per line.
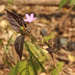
(66, 16)
(74, 32)
(54, 62)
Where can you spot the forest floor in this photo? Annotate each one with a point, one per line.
(49, 21)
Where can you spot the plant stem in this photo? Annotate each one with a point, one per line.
(28, 27)
(33, 65)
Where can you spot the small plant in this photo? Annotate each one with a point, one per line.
(18, 24)
(31, 63)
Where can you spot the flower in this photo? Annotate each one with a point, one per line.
(30, 18)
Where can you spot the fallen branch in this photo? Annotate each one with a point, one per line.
(54, 62)
(61, 23)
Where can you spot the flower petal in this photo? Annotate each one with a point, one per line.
(27, 16)
(26, 20)
(32, 15)
(34, 18)
(30, 18)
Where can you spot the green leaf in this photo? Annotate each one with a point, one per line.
(62, 3)
(18, 68)
(28, 49)
(31, 67)
(32, 37)
(72, 2)
(46, 39)
(37, 67)
(31, 72)
(49, 37)
(35, 49)
(25, 71)
(43, 52)
(59, 66)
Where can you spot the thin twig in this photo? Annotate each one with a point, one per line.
(62, 22)
(74, 33)
(54, 62)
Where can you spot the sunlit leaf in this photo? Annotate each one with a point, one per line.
(18, 68)
(36, 65)
(25, 71)
(31, 67)
(47, 38)
(28, 49)
(31, 70)
(59, 66)
(19, 45)
(32, 37)
(50, 36)
(15, 21)
(62, 3)
(42, 51)
(35, 49)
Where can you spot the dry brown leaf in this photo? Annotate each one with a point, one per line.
(71, 58)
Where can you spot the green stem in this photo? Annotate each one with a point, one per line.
(33, 65)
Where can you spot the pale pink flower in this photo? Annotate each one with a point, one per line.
(30, 18)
